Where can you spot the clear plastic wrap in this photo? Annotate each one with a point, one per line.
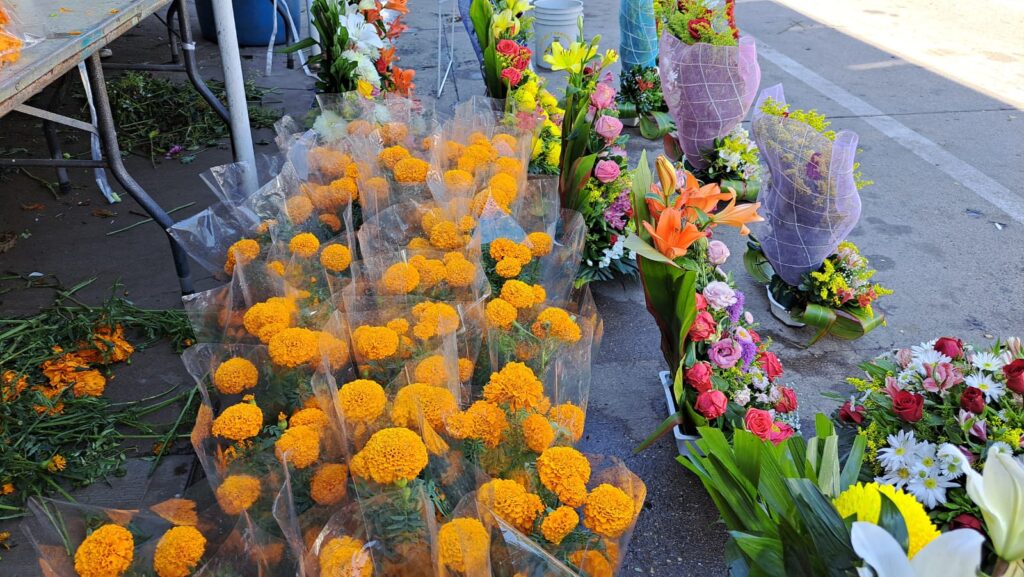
(13, 37)
(810, 203)
(708, 90)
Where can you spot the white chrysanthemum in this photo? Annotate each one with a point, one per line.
(898, 477)
(930, 489)
(951, 461)
(330, 126)
(992, 389)
(987, 362)
(758, 380)
(907, 376)
(901, 452)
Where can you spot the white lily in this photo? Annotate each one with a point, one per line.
(999, 492)
(953, 554)
(361, 34)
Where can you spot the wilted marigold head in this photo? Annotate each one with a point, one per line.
(556, 323)
(537, 432)
(106, 552)
(237, 493)
(89, 383)
(235, 375)
(390, 156)
(178, 552)
(565, 472)
(510, 501)
(304, 245)
(391, 455)
(422, 401)
(463, 545)
(243, 252)
(514, 385)
(374, 343)
(294, 346)
(559, 523)
(329, 484)
(300, 445)
(362, 400)
(238, 422)
(411, 171)
(609, 511)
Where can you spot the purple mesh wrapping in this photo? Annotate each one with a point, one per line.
(708, 90)
(810, 203)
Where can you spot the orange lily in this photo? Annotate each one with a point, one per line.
(387, 55)
(673, 235)
(705, 198)
(403, 81)
(398, 6)
(738, 216)
(396, 29)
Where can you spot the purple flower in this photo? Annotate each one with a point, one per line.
(616, 213)
(725, 353)
(812, 169)
(736, 309)
(748, 353)
(174, 151)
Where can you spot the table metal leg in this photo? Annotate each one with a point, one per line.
(171, 37)
(112, 152)
(53, 139)
(188, 49)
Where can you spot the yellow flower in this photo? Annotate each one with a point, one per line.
(559, 523)
(238, 422)
(503, 248)
(421, 401)
(573, 59)
(393, 132)
(514, 385)
(374, 343)
(390, 156)
(565, 472)
(106, 552)
(459, 182)
(299, 445)
(434, 319)
(264, 320)
(299, 209)
(482, 421)
(364, 88)
(89, 383)
(570, 418)
(311, 417)
(865, 502)
(178, 552)
(56, 464)
(293, 347)
(539, 294)
(503, 188)
(333, 350)
(235, 375)
(431, 270)
(177, 511)
(336, 257)
(329, 484)
(345, 557)
(554, 154)
(505, 24)
(518, 294)
(500, 314)
(463, 546)
(304, 245)
(591, 563)
(465, 370)
(400, 278)
(538, 433)
(391, 455)
(445, 236)
(556, 323)
(400, 326)
(508, 268)
(540, 243)
(276, 267)
(362, 400)
(411, 171)
(510, 501)
(242, 252)
(431, 370)
(609, 511)
(459, 272)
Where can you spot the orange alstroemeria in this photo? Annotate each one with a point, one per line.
(396, 29)
(403, 81)
(387, 56)
(398, 6)
(673, 235)
(738, 216)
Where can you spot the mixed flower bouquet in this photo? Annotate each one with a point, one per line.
(500, 29)
(924, 410)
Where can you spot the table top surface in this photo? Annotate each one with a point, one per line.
(68, 31)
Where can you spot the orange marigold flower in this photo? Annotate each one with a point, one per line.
(7, 489)
(331, 222)
(108, 345)
(540, 243)
(336, 257)
(445, 235)
(510, 166)
(178, 552)
(362, 401)
(304, 245)
(333, 350)
(400, 326)
(505, 144)
(327, 162)
(514, 385)
(518, 294)
(431, 270)
(345, 557)
(434, 319)
(238, 422)
(391, 455)
(392, 133)
(500, 314)
(609, 511)
(459, 182)
(106, 552)
(465, 370)
(11, 385)
(431, 370)
(359, 127)
(329, 484)
(237, 493)
(300, 445)
(570, 418)
(241, 252)
(390, 156)
(559, 523)
(503, 248)
(294, 346)
(311, 417)
(62, 370)
(374, 343)
(276, 267)
(476, 137)
(56, 464)
(510, 501)
(565, 472)
(89, 383)
(177, 511)
(400, 278)
(375, 188)
(538, 433)
(591, 563)
(264, 320)
(556, 323)
(343, 191)
(298, 208)
(483, 421)
(235, 375)
(411, 171)
(452, 151)
(463, 545)
(430, 218)
(539, 294)
(422, 401)
(460, 273)
(504, 188)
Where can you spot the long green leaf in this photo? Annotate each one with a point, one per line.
(891, 519)
(765, 553)
(656, 125)
(665, 426)
(635, 243)
(851, 469)
(300, 45)
(642, 180)
(821, 521)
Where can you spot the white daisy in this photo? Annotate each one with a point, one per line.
(951, 461)
(930, 489)
(927, 357)
(926, 456)
(901, 452)
(998, 447)
(987, 362)
(898, 477)
(992, 389)
(907, 376)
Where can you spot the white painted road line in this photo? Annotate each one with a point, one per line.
(960, 171)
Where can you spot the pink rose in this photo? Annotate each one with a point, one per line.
(711, 404)
(780, 432)
(725, 353)
(608, 127)
(512, 75)
(904, 357)
(699, 377)
(719, 295)
(703, 327)
(507, 48)
(606, 171)
(758, 422)
(718, 252)
(602, 97)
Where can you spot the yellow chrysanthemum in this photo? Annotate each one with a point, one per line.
(374, 343)
(540, 243)
(106, 552)
(518, 294)
(463, 545)
(304, 245)
(237, 493)
(609, 511)
(178, 552)
(238, 422)
(411, 171)
(336, 257)
(565, 472)
(420, 400)
(293, 347)
(556, 323)
(391, 455)
(362, 400)
(242, 252)
(311, 417)
(299, 209)
(500, 314)
(177, 511)
(516, 386)
(329, 484)
(399, 279)
(432, 371)
(538, 433)
(299, 445)
(235, 375)
(345, 557)
(865, 502)
(390, 156)
(434, 319)
(559, 523)
(483, 421)
(510, 501)
(570, 418)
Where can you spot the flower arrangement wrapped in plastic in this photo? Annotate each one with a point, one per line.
(811, 204)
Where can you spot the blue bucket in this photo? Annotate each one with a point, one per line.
(252, 20)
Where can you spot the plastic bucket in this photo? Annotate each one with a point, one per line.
(253, 23)
(554, 20)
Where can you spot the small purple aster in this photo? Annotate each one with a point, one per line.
(736, 309)
(748, 352)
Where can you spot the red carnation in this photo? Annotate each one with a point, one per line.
(973, 400)
(787, 400)
(703, 327)
(949, 346)
(507, 48)
(1015, 376)
(770, 365)
(711, 404)
(699, 376)
(908, 406)
(849, 413)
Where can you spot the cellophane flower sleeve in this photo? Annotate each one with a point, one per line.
(708, 90)
(810, 202)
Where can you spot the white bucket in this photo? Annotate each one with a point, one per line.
(554, 20)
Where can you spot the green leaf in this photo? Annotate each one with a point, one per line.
(636, 244)
(822, 523)
(828, 469)
(581, 172)
(656, 125)
(627, 109)
(764, 553)
(890, 519)
(851, 469)
(665, 426)
(747, 448)
(480, 12)
(642, 180)
(758, 266)
(300, 45)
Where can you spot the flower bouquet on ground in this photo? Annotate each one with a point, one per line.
(501, 34)
(811, 204)
(709, 76)
(922, 410)
(642, 101)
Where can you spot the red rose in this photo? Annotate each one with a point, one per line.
(507, 48)
(512, 75)
(966, 521)
(1015, 376)
(851, 414)
(702, 303)
(787, 400)
(949, 346)
(908, 406)
(759, 422)
(754, 336)
(973, 400)
(780, 432)
(712, 404)
(522, 61)
(770, 365)
(703, 326)
(699, 376)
